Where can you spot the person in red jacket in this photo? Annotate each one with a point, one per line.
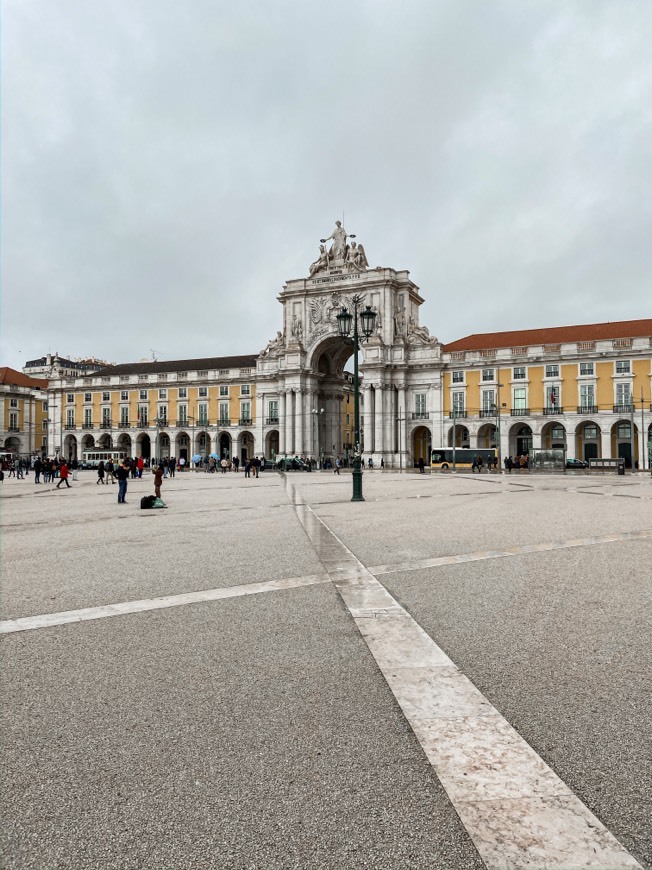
(63, 474)
(141, 464)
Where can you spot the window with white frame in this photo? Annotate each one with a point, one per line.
(458, 402)
(520, 399)
(552, 371)
(124, 415)
(458, 376)
(182, 413)
(13, 422)
(70, 398)
(489, 401)
(182, 376)
(162, 394)
(203, 392)
(143, 415)
(183, 392)
(13, 403)
(70, 418)
(487, 374)
(124, 395)
(106, 397)
(88, 416)
(162, 414)
(88, 397)
(552, 396)
(202, 414)
(45, 425)
(245, 410)
(590, 431)
(587, 396)
(623, 394)
(202, 373)
(245, 390)
(223, 410)
(624, 430)
(623, 366)
(224, 390)
(106, 416)
(142, 395)
(224, 372)
(420, 405)
(272, 409)
(586, 368)
(519, 373)
(45, 405)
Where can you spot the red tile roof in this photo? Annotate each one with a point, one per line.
(553, 335)
(17, 379)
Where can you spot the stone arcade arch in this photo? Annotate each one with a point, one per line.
(520, 440)
(421, 445)
(462, 436)
(202, 446)
(224, 442)
(621, 441)
(70, 447)
(588, 441)
(144, 446)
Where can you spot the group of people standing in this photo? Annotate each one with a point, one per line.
(520, 463)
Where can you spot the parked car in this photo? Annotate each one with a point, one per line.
(576, 463)
(267, 465)
(292, 463)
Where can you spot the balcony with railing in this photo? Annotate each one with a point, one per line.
(271, 421)
(125, 424)
(13, 428)
(420, 415)
(182, 422)
(587, 409)
(105, 424)
(520, 412)
(627, 408)
(244, 421)
(224, 422)
(69, 426)
(488, 412)
(88, 424)
(458, 415)
(552, 409)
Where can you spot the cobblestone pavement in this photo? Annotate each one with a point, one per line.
(452, 674)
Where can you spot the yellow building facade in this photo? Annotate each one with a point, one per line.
(587, 392)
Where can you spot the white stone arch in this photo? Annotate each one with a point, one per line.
(462, 435)
(587, 444)
(70, 447)
(554, 435)
(520, 439)
(246, 445)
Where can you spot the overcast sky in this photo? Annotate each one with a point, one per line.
(167, 165)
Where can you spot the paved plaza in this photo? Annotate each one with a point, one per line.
(452, 674)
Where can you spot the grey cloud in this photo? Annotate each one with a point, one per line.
(167, 166)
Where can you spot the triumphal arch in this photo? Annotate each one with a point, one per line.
(304, 366)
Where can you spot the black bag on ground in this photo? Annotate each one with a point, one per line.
(147, 501)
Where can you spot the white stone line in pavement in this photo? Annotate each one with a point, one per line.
(517, 811)
(47, 620)
(481, 555)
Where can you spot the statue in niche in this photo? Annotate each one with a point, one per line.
(320, 263)
(419, 333)
(274, 345)
(399, 320)
(296, 328)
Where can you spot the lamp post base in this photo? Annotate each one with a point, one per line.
(357, 483)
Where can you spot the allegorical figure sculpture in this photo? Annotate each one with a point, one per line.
(321, 262)
(338, 248)
(274, 344)
(356, 257)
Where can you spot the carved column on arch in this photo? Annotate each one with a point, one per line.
(367, 415)
(289, 422)
(299, 415)
(281, 421)
(378, 418)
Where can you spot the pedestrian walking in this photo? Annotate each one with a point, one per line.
(100, 473)
(123, 479)
(172, 466)
(38, 468)
(75, 468)
(247, 468)
(236, 463)
(110, 469)
(63, 476)
(140, 463)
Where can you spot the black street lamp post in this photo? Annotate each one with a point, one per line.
(367, 323)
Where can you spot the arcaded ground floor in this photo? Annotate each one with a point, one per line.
(452, 674)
